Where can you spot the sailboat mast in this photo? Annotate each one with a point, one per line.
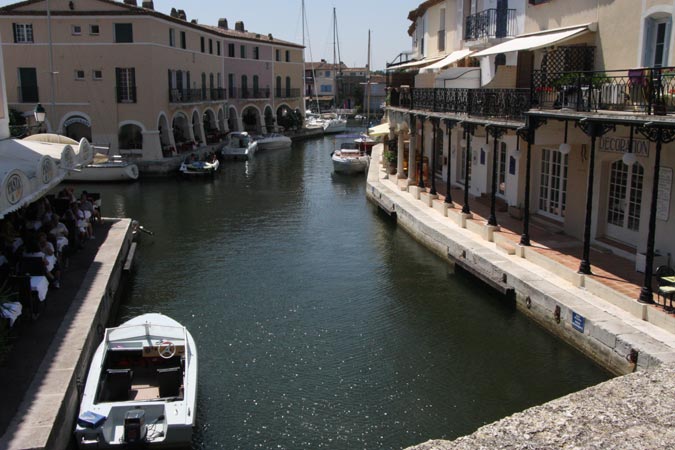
(368, 82)
(304, 59)
(334, 67)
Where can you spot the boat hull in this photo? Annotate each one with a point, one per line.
(199, 171)
(350, 166)
(168, 420)
(105, 172)
(274, 144)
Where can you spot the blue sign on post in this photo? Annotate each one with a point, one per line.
(578, 322)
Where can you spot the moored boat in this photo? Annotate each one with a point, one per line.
(238, 145)
(141, 388)
(272, 141)
(349, 159)
(191, 168)
(106, 168)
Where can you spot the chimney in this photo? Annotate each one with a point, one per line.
(222, 23)
(130, 2)
(174, 13)
(181, 14)
(239, 26)
(148, 4)
(194, 21)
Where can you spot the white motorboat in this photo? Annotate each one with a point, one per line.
(141, 389)
(105, 168)
(350, 159)
(192, 168)
(273, 141)
(238, 145)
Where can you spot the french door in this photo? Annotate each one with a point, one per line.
(624, 201)
(553, 184)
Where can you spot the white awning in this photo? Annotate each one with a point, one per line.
(452, 58)
(29, 169)
(420, 63)
(379, 130)
(535, 41)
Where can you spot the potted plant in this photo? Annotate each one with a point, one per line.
(391, 159)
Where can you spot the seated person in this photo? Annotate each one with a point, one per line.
(32, 249)
(87, 205)
(53, 268)
(59, 231)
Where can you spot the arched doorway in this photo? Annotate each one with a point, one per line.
(130, 137)
(269, 119)
(210, 127)
(232, 122)
(77, 127)
(197, 130)
(250, 118)
(181, 132)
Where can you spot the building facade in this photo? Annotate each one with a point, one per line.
(551, 111)
(138, 81)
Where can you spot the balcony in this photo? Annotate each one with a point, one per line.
(245, 93)
(490, 24)
(648, 91)
(493, 103)
(196, 95)
(287, 93)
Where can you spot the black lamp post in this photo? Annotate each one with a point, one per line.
(496, 132)
(448, 187)
(420, 183)
(469, 129)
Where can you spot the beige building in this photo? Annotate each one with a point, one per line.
(593, 99)
(141, 82)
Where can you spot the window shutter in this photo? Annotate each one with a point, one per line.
(666, 47)
(118, 76)
(648, 48)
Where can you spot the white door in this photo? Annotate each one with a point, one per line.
(624, 201)
(553, 184)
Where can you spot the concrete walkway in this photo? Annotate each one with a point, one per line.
(51, 355)
(609, 326)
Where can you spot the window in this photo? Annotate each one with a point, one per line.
(656, 41)
(126, 85)
(210, 46)
(242, 51)
(76, 30)
(230, 83)
(79, 74)
(244, 86)
(537, 2)
(441, 32)
(23, 33)
(256, 52)
(277, 92)
(288, 87)
(230, 50)
(124, 32)
(218, 48)
(278, 54)
(94, 30)
(183, 41)
(97, 74)
(288, 56)
(28, 87)
(172, 37)
(256, 86)
(326, 88)
(202, 44)
(327, 73)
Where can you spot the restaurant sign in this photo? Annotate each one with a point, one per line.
(614, 144)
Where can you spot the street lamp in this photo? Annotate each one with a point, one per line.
(39, 113)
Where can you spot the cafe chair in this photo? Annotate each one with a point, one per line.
(666, 288)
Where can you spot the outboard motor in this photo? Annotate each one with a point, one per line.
(134, 426)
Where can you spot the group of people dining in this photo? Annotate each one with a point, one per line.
(36, 242)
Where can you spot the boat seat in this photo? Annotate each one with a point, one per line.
(170, 380)
(117, 384)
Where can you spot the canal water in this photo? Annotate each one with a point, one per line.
(319, 323)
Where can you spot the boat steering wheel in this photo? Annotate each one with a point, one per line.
(166, 349)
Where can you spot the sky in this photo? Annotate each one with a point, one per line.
(387, 20)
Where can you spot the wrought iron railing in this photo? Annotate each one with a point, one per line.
(218, 94)
(185, 95)
(247, 93)
(648, 90)
(287, 93)
(500, 103)
(490, 23)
